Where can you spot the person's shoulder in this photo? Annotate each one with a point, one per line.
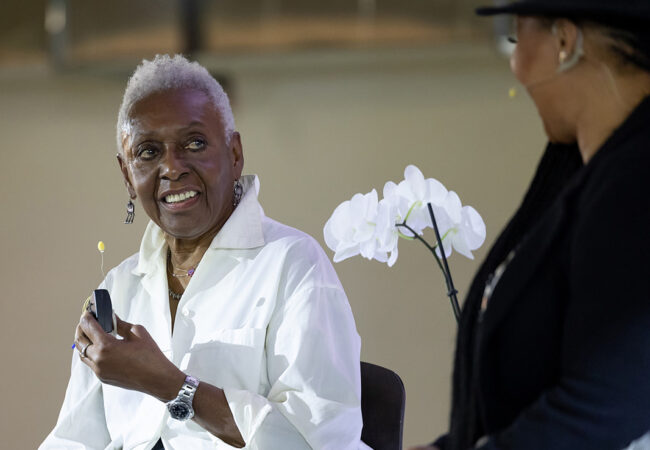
(299, 254)
(129, 263)
(279, 235)
(620, 179)
(611, 209)
(123, 269)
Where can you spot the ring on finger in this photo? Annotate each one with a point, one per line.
(83, 350)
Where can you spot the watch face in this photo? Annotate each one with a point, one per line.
(179, 411)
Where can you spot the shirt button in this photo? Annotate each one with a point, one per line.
(185, 312)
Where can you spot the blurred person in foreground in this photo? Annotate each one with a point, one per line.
(234, 330)
(553, 349)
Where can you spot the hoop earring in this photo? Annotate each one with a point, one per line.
(130, 212)
(238, 190)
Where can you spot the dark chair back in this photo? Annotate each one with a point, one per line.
(382, 406)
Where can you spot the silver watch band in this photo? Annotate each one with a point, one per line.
(189, 389)
(181, 407)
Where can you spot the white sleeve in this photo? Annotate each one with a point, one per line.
(81, 423)
(312, 352)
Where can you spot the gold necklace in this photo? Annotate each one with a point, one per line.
(187, 273)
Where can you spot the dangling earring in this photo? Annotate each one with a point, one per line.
(130, 212)
(238, 190)
(563, 55)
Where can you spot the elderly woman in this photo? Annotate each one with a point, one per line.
(553, 350)
(234, 330)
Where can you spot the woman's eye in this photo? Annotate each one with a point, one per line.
(146, 153)
(196, 144)
(511, 30)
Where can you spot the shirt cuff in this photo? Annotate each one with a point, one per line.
(248, 410)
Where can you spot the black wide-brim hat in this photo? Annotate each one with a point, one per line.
(633, 10)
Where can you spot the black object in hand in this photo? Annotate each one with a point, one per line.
(102, 309)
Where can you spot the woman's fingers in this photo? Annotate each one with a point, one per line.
(134, 362)
(90, 337)
(122, 328)
(83, 345)
(126, 330)
(81, 341)
(92, 329)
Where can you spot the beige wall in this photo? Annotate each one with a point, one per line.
(316, 128)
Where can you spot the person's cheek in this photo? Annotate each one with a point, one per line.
(515, 64)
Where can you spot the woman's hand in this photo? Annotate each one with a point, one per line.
(134, 362)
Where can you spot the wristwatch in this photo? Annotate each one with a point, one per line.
(181, 407)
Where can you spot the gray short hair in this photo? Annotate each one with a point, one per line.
(164, 73)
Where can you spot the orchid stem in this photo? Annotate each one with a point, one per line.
(444, 266)
(451, 290)
(421, 239)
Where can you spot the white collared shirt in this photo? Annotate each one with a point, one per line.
(264, 317)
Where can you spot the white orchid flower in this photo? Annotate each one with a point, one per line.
(372, 228)
(448, 216)
(465, 236)
(414, 193)
(386, 231)
(366, 226)
(351, 229)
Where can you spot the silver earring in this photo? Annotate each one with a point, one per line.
(130, 212)
(238, 190)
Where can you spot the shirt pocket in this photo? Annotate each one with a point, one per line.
(232, 358)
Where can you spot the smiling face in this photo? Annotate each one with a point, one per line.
(178, 162)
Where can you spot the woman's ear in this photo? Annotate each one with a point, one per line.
(566, 36)
(237, 154)
(569, 41)
(125, 174)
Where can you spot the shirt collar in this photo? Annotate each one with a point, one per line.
(242, 230)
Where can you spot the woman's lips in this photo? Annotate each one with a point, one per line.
(180, 201)
(179, 196)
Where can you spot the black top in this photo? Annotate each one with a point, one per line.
(560, 359)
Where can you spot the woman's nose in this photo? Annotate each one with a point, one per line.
(173, 164)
